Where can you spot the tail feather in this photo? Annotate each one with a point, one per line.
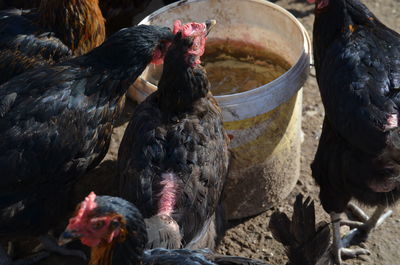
(305, 243)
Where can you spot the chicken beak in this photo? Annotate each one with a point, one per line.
(67, 237)
(209, 25)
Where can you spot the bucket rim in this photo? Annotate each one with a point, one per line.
(302, 64)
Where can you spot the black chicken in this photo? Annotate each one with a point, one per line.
(56, 123)
(173, 157)
(47, 35)
(116, 232)
(357, 61)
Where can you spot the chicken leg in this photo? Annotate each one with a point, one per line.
(366, 223)
(340, 246)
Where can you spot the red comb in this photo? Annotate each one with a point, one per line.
(86, 206)
(188, 29)
(311, 1)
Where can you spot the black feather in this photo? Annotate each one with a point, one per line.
(129, 249)
(357, 61)
(177, 130)
(57, 122)
(305, 244)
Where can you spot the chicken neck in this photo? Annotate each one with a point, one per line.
(180, 86)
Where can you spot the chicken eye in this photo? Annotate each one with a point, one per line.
(97, 225)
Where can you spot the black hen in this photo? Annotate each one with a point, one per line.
(173, 158)
(357, 61)
(116, 232)
(56, 123)
(47, 35)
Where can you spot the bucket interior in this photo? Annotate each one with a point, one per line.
(253, 22)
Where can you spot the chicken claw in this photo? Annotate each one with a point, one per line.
(340, 246)
(360, 230)
(367, 223)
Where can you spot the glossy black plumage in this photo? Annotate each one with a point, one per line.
(177, 130)
(191, 257)
(357, 61)
(128, 249)
(56, 123)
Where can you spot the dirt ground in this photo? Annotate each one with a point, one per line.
(251, 237)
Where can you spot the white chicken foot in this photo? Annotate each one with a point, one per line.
(50, 244)
(5, 259)
(366, 223)
(340, 246)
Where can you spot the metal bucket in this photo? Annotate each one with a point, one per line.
(266, 121)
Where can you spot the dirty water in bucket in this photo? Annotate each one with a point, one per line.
(235, 66)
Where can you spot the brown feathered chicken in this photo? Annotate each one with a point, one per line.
(357, 62)
(55, 31)
(173, 157)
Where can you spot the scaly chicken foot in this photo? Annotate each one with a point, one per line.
(49, 244)
(5, 259)
(367, 223)
(340, 246)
